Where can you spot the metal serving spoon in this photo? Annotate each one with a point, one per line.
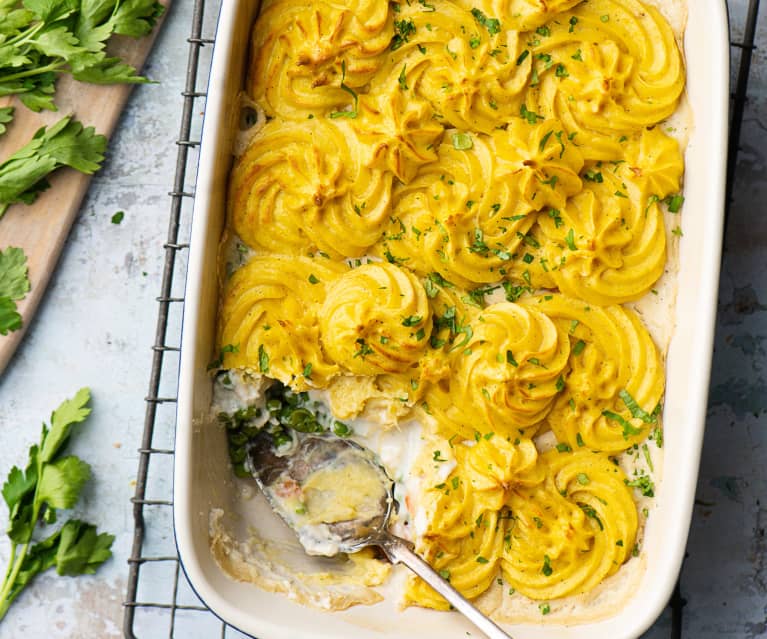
(283, 472)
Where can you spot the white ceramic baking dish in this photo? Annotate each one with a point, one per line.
(202, 477)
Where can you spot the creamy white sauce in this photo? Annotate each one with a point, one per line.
(238, 389)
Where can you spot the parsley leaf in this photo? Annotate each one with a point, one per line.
(6, 115)
(14, 285)
(32, 495)
(47, 38)
(65, 143)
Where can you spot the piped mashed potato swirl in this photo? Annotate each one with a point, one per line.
(376, 319)
(448, 213)
(505, 378)
(572, 530)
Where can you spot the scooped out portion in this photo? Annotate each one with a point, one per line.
(330, 491)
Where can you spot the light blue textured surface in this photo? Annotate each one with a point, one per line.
(97, 323)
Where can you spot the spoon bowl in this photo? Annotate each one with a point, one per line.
(337, 497)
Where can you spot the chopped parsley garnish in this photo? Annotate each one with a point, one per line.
(477, 295)
(578, 348)
(412, 320)
(573, 22)
(647, 458)
(432, 281)
(513, 293)
(547, 569)
(544, 141)
(226, 348)
(403, 29)
(402, 80)
(462, 141)
(593, 176)
(530, 116)
(437, 456)
(544, 608)
(591, 513)
(308, 370)
(313, 279)
(363, 350)
(344, 87)
(643, 483)
(628, 429)
(635, 409)
(674, 202)
(570, 239)
(523, 56)
(493, 25)
(564, 447)
(510, 359)
(263, 359)
(573, 326)
(479, 246)
(552, 181)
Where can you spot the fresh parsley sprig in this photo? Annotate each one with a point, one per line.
(14, 286)
(41, 39)
(66, 143)
(50, 481)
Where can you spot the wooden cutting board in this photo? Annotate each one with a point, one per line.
(42, 228)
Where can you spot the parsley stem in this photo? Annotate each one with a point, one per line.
(6, 594)
(53, 66)
(11, 561)
(24, 36)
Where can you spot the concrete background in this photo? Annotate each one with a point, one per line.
(97, 324)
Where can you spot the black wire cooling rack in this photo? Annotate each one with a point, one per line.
(159, 602)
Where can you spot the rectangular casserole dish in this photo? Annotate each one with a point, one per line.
(202, 477)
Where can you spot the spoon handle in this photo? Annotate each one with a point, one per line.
(398, 551)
